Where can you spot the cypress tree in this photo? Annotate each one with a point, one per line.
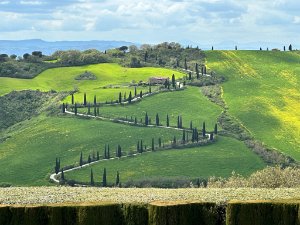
(146, 119)
(95, 100)
(95, 111)
(173, 81)
(203, 129)
(283, 48)
(159, 142)
(81, 160)
(212, 48)
(235, 47)
(129, 97)
(75, 109)
(92, 178)
(174, 140)
(152, 144)
(104, 181)
(260, 49)
(84, 99)
(190, 75)
(185, 64)
(72, 96)
(120, 97)
(98, 156)
(290, 48)
(135, 120)
(141, 94)
(157, 119)
(146, 56)
(62, 176)
(135, 93)
(202, 70)
(166, 83)
(118, 179)
(211, 137)
(141, 147)
(138, 146)
(105, 152)
(205, 70)
(197, 71)
(216, 129)
(196, 135)
(191, 125)
(198, 182)
(119, 152)
(89, 159)
(168, 121)
(63, 108)
(56, 168)
(183, 136)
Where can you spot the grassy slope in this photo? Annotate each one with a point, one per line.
(28, 157)
(190, 104)
(62, 79)
(213, 160)
(263, 92)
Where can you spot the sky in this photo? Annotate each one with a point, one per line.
(145, 21)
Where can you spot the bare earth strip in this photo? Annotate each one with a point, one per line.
(50, 195)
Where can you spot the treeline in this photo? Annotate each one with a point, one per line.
(164, 55)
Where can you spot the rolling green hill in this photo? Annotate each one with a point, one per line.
(63, 79)
(262, 91)
(201, 162)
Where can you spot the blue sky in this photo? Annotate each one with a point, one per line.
(145, 21)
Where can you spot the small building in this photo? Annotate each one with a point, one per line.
(158, 80)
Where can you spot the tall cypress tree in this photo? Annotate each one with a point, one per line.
(183, 136)
(118, 179)
(98, 156)
(120, 97)
(95, 100)
(62, 176)
(141, 94)
(190, 75)
(157, 119)
(146, 119)
(105, 152)
(168, 120)
(202, 70)
(81, 159)
(173, 81)
(216, 129)
(197, 71)
(63, 108)
(89, 159)
(290, 48)
(104, 181)
(92, 178)
(174, 140)
(56, 166)
(72, 97)
(141, 147)
(191, 125)
(185, 64)
(138, 146)
(129, 97)
(75, 109)
(159, 142)
(84, 99)
(211, 136)
(152, 146)
(203, 130)
(135, 93)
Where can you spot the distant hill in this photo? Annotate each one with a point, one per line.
(28, 46)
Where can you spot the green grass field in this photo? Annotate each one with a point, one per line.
(262, 91)
(63, 79)
(189, 103)
(28, 157)
(214, 160)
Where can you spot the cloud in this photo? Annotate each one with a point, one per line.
(143, 20)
